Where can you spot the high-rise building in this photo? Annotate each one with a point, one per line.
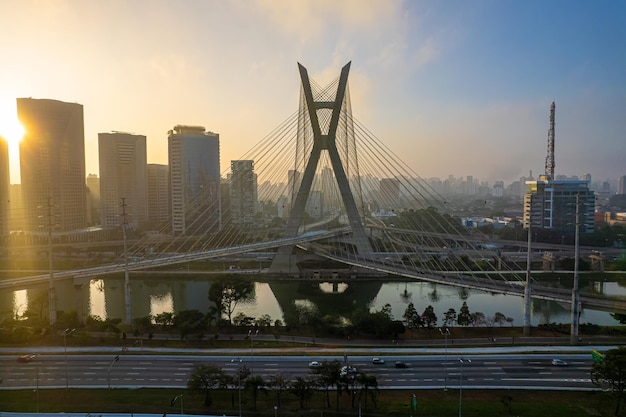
(551, 204)
(93, 199)
(621, 188)
(389, 193)
(5, 182)
(158, 195)
(243, 193)
(194, 160)
(52, 164)
(123, 161)
(16, 208)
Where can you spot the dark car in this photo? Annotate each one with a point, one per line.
(401, 364)
(25, 358)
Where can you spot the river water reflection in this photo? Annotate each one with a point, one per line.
(104, 297)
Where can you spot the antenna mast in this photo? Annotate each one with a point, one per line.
(550, 157)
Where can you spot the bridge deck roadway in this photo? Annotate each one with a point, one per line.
(457, 279)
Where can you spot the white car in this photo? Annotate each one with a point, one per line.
(314, 365)
(559, 362)
(378, 361)
(348, 371)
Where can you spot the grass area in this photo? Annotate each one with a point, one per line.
(231, 337)
(435, 403)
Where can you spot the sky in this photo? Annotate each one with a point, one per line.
(460, 87)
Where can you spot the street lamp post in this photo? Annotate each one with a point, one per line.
(37, 382)
(575, 292)
(115, 359)
(461, 385)
(181, 402)
(445, 332)
(238, 361)
(66, 333)
(252, 335)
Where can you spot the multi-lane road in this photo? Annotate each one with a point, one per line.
(515, 371)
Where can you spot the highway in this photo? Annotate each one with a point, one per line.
(486, 371)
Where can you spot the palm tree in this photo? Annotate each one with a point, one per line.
(369, 384)
(255, 384)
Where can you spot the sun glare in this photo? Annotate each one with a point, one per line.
(11, 129)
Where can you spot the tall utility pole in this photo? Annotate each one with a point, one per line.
(550, 156)
(573, 337)
(527, 286)
(126, 277)
(52, 299)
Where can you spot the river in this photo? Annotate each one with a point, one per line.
(152, 295)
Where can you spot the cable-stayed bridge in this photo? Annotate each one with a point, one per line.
(322, 193)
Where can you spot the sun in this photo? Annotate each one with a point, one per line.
(11, 129)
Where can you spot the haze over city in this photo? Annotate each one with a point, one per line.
(455, 87)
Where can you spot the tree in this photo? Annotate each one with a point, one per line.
(190, 322)
(164, 320)
(142, 325)
(499, 318)
(449, 317)
(241, 319)
(303, 389)
(368, 385)
(478, 319)
(429, 317)
(278, 383)
(411, 317)
(264, 321)
(329, 375)
(611, 372)
(228, 292)
(204, 378)
(464, 317)
(255, 384)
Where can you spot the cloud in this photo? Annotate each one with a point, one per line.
(312, 19)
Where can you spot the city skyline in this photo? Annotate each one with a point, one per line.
(460, 88)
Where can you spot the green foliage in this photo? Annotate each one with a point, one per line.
(189, 322)
(264, 321)
(611, 373)
(303, 388)
(429, 220)
(464, 317)
(429, 317)
(243, 320)
(228, 292)
(204, 378)
(412, 318)
(164, 320)
(95, 323)
(278, 383)
(380, 323)
(255, 384)
(449, 317)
